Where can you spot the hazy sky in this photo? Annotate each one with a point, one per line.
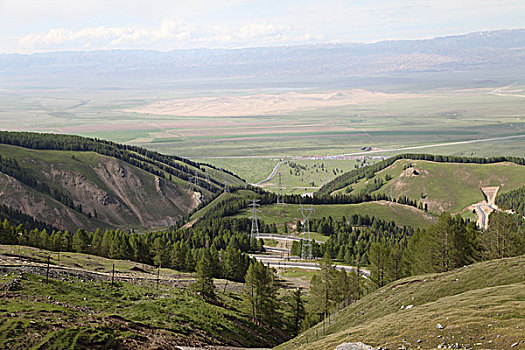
(45, 25)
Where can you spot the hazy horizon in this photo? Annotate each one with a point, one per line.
(29, 26)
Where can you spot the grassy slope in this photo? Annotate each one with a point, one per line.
(475, 304)
(239, 194)
(448, 186)
(402, 215)
(92, 314)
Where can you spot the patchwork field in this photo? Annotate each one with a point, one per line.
(248, 130)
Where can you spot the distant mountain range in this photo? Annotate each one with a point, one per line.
(482, 51)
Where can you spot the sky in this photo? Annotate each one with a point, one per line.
(28, 26)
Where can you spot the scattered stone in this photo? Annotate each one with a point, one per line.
(438, 326)
(354, 346)
(419, 340)
(515, 344)
(409, 307)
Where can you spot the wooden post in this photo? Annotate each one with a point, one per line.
(47, 270)
(158, 275)
(113, 275)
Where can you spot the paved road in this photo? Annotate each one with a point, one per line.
(278, 237)
(277, 250)
(274, 171)
(483, 216)
(366, 152)
(282, 237)
(307, 266)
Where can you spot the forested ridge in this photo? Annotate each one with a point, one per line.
(151, 161)
(513, 200)
(368, 172)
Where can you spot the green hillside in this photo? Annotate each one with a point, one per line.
(443, 186)
(479, 306)
(78, 182)
(402, 215)
(80, 309)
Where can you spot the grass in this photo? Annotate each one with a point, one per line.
(475, 304)
(448, 186)
(81, 313)
(402, 215)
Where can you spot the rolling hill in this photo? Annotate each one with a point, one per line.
(451, 184)
(402, 215)
(477, 306)
(90, 183)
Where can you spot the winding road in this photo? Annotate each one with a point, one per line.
(274, 171)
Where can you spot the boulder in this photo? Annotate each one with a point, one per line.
(354, 346)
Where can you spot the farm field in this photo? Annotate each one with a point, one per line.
(363, 118)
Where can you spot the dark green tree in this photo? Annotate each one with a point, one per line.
(204, 280)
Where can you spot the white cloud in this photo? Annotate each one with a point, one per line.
(107, 37)
(170, 34)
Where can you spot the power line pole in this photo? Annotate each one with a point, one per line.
(226, 184)
(193, 181)
(254, 234)
(280, 197)
(306, 251)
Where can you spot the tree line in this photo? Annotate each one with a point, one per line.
(151, 161)
(368, 172)
(513, 200)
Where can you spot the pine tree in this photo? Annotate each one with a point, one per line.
(504, 238)
(80, 241)
(395, 263)
(379, 256)
(260, 294)
(295, 303)
(322, 286)
(204, 283)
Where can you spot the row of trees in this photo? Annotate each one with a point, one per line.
(350, 239)
(151, 161)
(513, 200)
(368, 172)
(171, 250)
(450, 243)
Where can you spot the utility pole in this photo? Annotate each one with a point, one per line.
(47, 270)
(306, 251)
(158, 275)
(280, 197)
(193, 181)
(226, 184)
(254, 234)
(19, 244)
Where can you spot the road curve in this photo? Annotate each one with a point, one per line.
(283, 237)
(272, 174)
